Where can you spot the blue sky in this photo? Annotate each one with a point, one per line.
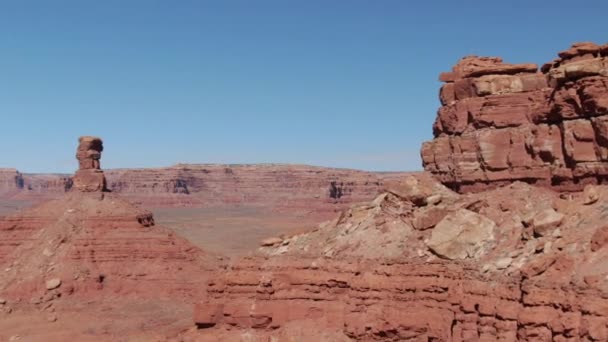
(344, 83)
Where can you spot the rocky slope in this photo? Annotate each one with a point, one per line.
(423, 263)
(502, 122)
(92, 247)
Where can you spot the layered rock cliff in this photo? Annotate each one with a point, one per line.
(502, 122)
(394, 301)
(290, 186)
(272, 186)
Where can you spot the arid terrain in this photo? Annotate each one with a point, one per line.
(503, 237)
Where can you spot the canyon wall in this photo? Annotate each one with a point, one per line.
(503, 122)
(290, 186)
(11, 181)
(265, 185)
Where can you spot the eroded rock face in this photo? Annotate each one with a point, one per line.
(89, 177)
(11, 180)
(503, 122)
(369, 301)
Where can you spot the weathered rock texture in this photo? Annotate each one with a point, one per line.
(395, 301)
(503, 122)
(89, 177)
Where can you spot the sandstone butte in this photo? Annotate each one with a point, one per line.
(426, 260)
(503, 122)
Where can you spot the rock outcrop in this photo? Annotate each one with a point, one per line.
(393, 301)
(89, 177)
(11, 181)
(516, 263)
(503, 122)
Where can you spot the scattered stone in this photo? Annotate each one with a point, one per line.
(14, 338)
(434, 199)
(2, 301)
(547, 247)
(271, 241)
(590, 194)
(52, 284)
(52, 318)
(409, 189)
(557, 233)
(462, 234)
(503, 263)
(546, 221)
(428, 217)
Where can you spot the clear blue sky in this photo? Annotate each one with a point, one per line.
(343, 83)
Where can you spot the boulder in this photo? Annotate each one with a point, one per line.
(462, 234)
(409, 188)
(591, 194)
(599, 238)
(428, 217)
(546, 221)
(53, 283)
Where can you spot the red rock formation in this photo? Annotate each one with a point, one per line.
(89, 243)
(536, 274)
(318, 190)
(504, 122)
(271, 185)
(395, 301)
(11, 181)
(89, 177)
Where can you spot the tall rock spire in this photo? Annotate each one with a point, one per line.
(89, 177)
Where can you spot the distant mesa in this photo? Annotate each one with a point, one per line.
(503, 122)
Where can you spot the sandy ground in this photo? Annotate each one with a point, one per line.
(231, 231)
(9, 206)
(110, 320)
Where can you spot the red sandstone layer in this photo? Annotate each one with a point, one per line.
(502, 122)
